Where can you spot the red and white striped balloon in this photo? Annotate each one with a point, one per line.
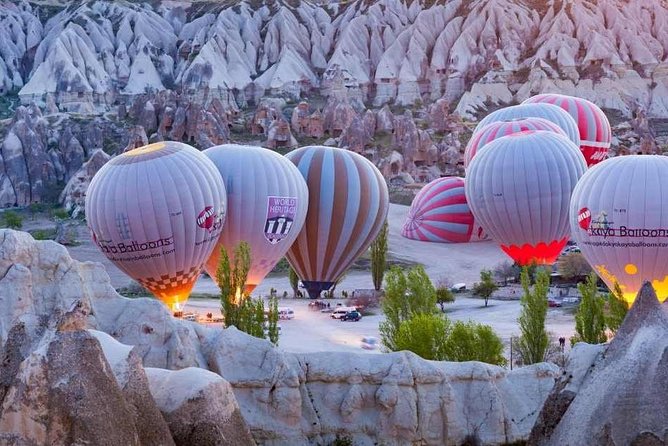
(594, 127)
(497, 129)
(440, 213)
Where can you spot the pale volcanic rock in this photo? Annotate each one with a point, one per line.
(73, 197)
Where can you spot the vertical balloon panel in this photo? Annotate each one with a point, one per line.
(157, 212)
(348, 204)
(267, 202)
(618, 218)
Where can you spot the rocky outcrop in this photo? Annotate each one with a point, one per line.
(73, 197)
(199, 407)
(279, 135)
(284, 398)
(616, 393)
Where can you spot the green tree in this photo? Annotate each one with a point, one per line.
(486, 286)
(12, 220)
(617, 309)
(590, 319)
(425, 335)
(406, 295)
(379, 257)
(294, 281)
(533, 342)
(471, 341)
(272, 321)
(444, 295)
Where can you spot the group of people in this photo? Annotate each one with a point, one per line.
(318, 305)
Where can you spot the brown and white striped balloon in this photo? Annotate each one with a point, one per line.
(157, 212)
(348, 205)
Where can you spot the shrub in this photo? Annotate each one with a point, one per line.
(12, 220)
(425, 335)
(471, 341)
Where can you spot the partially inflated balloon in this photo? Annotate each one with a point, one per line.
(156, 212)
(348, 205)
(594, 127)
(519, 190)
(618, 218)
(546, 111)
(498, 129)
(440, 213)
(267, 200)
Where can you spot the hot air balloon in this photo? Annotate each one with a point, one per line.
(618, 219)
(267, 200)
(348, 205)
(593, 125)
(439, 213)
(519, 189)
(546, 111)
(156, 212)
(497, 129)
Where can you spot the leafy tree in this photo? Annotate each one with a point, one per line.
(272, 321)
(444, 295)
(617, 309)
(12, 220)
(573, 265)
(471, 341)
(294, 281)
(590, 319)
(379, 257)
(406, 295)
(533, 342)
(425, 335)
(486, 286)
(237, 307)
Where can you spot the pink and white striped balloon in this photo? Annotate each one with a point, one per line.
(594, 127)
(496, 130)
(440, 213)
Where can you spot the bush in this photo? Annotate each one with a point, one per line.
(425, 335)
(472, 341)
(590, 319)
(12, 220)
(60, 214)
(617, 309)
(133, 289)
(43, 234)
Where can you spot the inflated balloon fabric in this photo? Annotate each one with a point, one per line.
(619, 219)
(519, 189)
(440, 213)
(267, 199)
(156, 212)
(348, 205)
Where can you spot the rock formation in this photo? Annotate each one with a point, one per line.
(616, 393)
(284, 398)
(73, 197)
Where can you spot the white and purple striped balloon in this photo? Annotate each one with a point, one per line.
(593, 125)
(440, 213)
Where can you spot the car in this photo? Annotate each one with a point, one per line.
(351, 316)
(570, 300)
(339, 312)
(458, 287)
(553, 302)
(286, 313)
(369, 343)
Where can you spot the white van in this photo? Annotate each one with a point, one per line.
(286, 313)
(339, 312)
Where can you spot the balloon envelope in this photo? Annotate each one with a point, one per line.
(156, 212)
(496, 130)
(593, 125)
(440, 213)
(348, 205)
(546, 111)
(519, 189)
(267, 200)
(618, 218)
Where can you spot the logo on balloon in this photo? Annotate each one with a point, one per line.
(281, 212)
(584, 218)
(208, 219)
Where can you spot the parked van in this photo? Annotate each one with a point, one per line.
(286, 313)
(339, 312)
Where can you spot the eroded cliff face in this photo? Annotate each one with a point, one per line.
(92, 53)
(284, 398)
